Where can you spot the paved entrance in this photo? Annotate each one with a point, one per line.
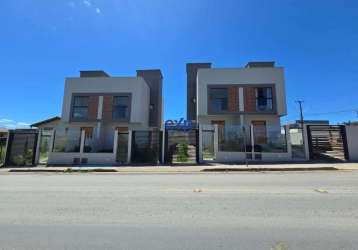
(181, 146)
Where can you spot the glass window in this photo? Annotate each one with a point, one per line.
(120, 107)
(80, 107)
(264, 99)
(218, 99)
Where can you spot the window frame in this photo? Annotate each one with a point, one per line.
(127, 95)
(267, 98)
(239, 85)
(73, 107)
(209, 99)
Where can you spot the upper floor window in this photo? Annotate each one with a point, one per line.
(218, 99)
(120, 108)
(80, 107)
(264, 100)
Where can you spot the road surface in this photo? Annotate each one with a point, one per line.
(302, 210)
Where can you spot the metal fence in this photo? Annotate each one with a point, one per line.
(3, 141)
(21, 150)
(146, 147)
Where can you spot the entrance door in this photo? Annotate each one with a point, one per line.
(207, 135)
(122, 145)
(260, 134)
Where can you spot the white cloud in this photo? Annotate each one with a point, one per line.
(98, 10)
(11, 124)
(87, 3)
(4, 120)
(23, 124)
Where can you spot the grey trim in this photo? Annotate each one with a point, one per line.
(93, 73)
(270, 85)
(101, 94)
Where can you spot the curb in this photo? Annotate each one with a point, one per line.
(63, 171)
(267, 169)
(208, 170)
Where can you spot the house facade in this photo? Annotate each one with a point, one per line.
(98, 113)
(244, 105)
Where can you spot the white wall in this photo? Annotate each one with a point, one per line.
(134, 85)
(352, 141)
(241, 76)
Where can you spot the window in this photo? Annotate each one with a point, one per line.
(218, 99)
(120, 109)
(264, 101)
(80, 107)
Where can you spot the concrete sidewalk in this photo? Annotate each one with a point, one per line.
(187, 169)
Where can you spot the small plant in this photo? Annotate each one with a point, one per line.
(182, 152)
(67, 170)
(19, 160)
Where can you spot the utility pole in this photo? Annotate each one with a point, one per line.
(300, 102)
(301, 112)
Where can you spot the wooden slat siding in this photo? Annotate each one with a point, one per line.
(250, 99)
(92, 107)
(233, 96)
(107, 108)
(260, 132)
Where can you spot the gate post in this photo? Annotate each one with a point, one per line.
(216, 140)
(288, 141)
(200, 146)
(38, 143)
(166, 160)
(162, 149)
(129, 155)
(345, 143)
(307, 141)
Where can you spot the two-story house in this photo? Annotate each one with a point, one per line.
(98, 111)
(240, 101)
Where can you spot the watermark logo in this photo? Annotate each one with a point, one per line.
(181, 124)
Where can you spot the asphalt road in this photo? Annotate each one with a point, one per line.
(310, 210)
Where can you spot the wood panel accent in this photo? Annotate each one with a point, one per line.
(107, 108)
(250, 99)
(92, 107)
(233, 99)
(260, 132)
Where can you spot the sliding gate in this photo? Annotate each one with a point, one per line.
(181, 146)
(21, 149)
(327, 142)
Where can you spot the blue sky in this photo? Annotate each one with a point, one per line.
(44, 41)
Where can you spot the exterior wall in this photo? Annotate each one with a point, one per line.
(93, 158)
(244, 77)
(106, 85)
(154, 79)
(240, 157)
(49, 125)
(191, 72)
(352, 141)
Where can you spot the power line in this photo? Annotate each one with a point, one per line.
(333, 112)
